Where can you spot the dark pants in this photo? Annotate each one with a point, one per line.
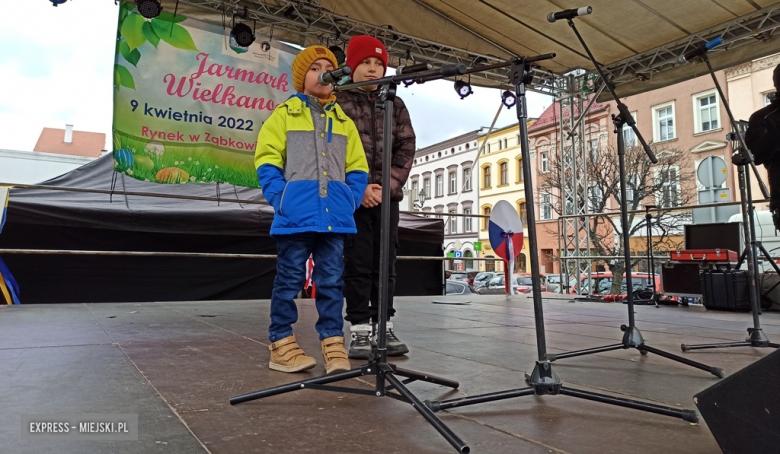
(361, 265)
(292, 253)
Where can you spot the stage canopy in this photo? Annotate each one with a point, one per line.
(638, 40)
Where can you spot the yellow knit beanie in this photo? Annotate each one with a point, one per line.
(303, 62)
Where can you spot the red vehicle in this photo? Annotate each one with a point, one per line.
(601, 284)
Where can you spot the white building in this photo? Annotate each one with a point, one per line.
(443, 171)
(31, 167)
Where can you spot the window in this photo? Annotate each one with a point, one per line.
(545, 162)
(499, 144)
(504, 169)
(467, 221)
(629, 138)
(439, 185)
(453, 183)
(486, 177)
(670, 187)
(706, 111)
(415, 190)
(663, 125)
(520, 176)
(768, 97)
(453, 222)
(593, 147)
(485, 221)
(427, 188)
(545, 206)
(467, 179)
(523, 214)
(467, 146)
(469, 263)
(594, 198)
(632, 185)
(506, 143)
(488, 148)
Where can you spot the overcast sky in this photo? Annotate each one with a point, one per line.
(56, 68)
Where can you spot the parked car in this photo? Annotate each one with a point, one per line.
(554, 283)
(455, 287)
(601, 284)
(482, 279)
(465, 276)
(521, 282)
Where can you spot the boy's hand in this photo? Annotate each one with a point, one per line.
(378, 193)
(369, 196)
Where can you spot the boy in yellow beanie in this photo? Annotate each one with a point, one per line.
(313, 171)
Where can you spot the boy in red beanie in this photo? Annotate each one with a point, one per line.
(367, 58)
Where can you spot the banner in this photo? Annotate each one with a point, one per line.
(189, 102)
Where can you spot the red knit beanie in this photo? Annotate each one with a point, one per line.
(362, 47)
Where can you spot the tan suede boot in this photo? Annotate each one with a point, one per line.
(335, 355)
(287, 356)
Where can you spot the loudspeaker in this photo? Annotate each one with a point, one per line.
(743, 410)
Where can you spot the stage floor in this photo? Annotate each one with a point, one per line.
(176, 365)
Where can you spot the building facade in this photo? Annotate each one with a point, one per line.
(441, 183)
(501, 178)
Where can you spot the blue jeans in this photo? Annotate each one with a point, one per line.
(292, 252)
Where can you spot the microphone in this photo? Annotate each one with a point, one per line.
(569, 14)
(699, 51)
(413, 68)
(332, 77)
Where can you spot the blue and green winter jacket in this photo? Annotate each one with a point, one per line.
(311, 166)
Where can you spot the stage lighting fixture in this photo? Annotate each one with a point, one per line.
(338, 52)
(463, 88)
(243, 35)
(149, 8)
(508, 98)
(57, 2)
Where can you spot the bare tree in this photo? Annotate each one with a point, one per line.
(669, 183)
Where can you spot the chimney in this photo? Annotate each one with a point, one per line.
(68, 133)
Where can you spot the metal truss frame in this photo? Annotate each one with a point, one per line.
(312, 22)
(760, 25)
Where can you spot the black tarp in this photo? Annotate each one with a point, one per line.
(64, 220)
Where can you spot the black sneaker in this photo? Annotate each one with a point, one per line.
(360, 345)
(394, 345)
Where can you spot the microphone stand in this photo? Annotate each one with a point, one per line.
(543, 380)
(742, 158)
(632, 338)
(387, 383)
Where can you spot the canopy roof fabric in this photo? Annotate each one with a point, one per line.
(162, 215)
(638, 40)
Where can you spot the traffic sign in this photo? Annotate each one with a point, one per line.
(458, 245)
(458, 254)
(477, 245)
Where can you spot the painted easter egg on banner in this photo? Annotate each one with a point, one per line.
(155, 148)
(123, 160)
(143, 163)
(172, 175)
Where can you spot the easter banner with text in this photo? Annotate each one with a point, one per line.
(189, 102)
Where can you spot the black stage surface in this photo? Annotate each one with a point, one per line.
(176, 364)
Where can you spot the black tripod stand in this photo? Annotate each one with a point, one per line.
(632, 338)
(649, 221)
(543, 379)
(743, 158)
(387, 375)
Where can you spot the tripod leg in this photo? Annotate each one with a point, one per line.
(716, 371)
(774, 345)
(425, 377)
(296, 386)
(587, 351)
(482, 398)
(687, 348)
(426, 413)
(686, 415)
